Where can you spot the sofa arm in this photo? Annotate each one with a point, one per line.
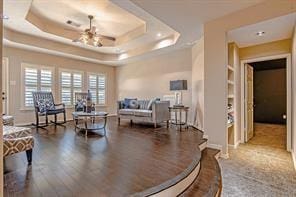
(160, 111)
(119, 105)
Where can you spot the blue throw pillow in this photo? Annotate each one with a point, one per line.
(127, 101)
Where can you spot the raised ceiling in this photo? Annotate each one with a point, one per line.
(275, 29)
(139, 27)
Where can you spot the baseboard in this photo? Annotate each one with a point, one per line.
(224, 156)
(294, 158)
(215, 146)
(196, 127)
(68, 120)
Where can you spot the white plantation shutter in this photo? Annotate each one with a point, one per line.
(71, 82)
(101, 89)
(36, 78)
(66, 88)
(97, 87)
(45, 80)
(92, 86)
(31, 85)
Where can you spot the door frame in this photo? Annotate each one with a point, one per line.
(5, 68)
(287, 56)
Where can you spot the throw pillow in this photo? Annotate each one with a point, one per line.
(133, 104)
(80, 104)
(127, 102)
(49, 104)
(41, 105)
(149, 107)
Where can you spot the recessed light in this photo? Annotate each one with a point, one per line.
(159, 34)
(260, 33)
(4, 17)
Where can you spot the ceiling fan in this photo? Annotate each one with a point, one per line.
(90, 36)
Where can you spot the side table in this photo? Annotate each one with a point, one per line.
(178, 110)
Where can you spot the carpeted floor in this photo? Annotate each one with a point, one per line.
(261, 167)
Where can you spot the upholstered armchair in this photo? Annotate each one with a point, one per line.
(45, 106)
(80, 101)
(16, 140)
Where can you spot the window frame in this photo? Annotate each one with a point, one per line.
(97, 88)
(72, 71)
(25, 65)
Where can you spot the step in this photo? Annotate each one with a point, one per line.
(209, 180)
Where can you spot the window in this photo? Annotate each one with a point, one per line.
(36, 78)
(97, 87)
(70, 82)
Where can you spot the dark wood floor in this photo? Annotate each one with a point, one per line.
(127, 160)
(209, 181)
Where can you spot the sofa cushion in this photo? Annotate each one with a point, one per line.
(126, 111)
(127, 101)
(143, 113)
(143, 104)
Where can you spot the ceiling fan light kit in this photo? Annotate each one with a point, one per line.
(90, 37)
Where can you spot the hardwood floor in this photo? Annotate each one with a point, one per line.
(125, 161)
(209, 181)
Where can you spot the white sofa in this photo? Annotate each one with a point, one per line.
(157, 113)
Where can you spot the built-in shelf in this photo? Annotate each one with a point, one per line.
(230, 96)
(230, 110)
(229, 125)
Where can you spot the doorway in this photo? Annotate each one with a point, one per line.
(267, 102)
(4, 94)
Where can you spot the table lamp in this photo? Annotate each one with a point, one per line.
(178, 86)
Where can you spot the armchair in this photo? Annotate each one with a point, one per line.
(18, 139)
(45, 106)
(80, 101)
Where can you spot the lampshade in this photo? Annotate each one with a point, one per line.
(178, 85)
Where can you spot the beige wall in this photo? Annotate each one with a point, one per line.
(198, 84)
(215, 35)
(294, 95)
(17, 56)
(268, 49)
(150, 77)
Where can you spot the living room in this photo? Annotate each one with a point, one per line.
(92, 83)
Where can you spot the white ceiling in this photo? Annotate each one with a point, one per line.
(167, 17)
(188, 16)
(275, 29)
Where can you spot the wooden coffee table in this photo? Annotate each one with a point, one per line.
(89, 121)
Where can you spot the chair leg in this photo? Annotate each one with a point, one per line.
(118, 121)
(65, 120)
(168, 123)
(29, 154)
(155, 125)
(131, 122)
(46, 120)
(37, 120)
(55, 119)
